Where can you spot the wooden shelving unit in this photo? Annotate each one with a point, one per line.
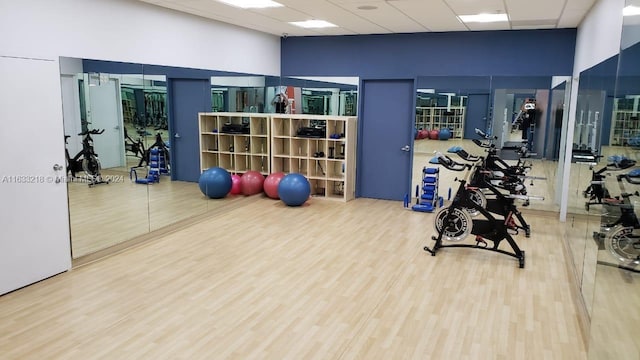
(436, 117)
(238, 142)
(326, 159)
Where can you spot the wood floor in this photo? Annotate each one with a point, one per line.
(106, 215)
(325, 281)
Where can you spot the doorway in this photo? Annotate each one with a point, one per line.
(385, 138)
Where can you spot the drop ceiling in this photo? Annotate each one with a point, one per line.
(388, 16)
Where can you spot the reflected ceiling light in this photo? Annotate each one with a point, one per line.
(252, 4)
(483, 18)
(631, 10)
(313, 24)
(367, 7)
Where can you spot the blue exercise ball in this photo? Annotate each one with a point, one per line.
(294, 189)
(215, 182)
(445, 134)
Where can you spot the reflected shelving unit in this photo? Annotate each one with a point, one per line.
(321, 147)
(440, 117)
(625, 122)
(238, 142)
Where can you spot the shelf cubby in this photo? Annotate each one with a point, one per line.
(299, 165)
(281, 164)
(318, 187)
(299, 147)
(241, 144)
(209, 160)
(272, 143)
(335, 169)
(259, 145)
(260, 163)
(237, 149)
(326, 156)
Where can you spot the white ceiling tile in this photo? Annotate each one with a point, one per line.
(583, 5)
(387, 16)
(471, 7)
(432, 15)
(390, 16)
(489, 26)
(540, 9)
(571, 18)
(325, 10)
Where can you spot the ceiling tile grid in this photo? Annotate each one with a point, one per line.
(388, 16)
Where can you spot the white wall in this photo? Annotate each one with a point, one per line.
(117, 30)
(132, 31)
(599, 34)
(598, 39)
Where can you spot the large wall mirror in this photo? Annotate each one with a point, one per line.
(315, 95)
(614, 242)
(141, 125)
(123, 119)
(499, 107)
(99, 109)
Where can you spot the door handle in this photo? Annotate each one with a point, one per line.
(177, 136)
(406, 148)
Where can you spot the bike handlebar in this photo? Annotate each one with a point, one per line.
(448, 163)
(94, 132)
(484, 135)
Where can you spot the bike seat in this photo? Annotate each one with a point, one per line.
(466, 156)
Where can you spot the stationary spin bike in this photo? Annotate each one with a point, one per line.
(620, 228)
(86, 160)
(596, 192)
(454, 223)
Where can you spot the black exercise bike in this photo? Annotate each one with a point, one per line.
(619, 228)
(135, 147)
(86, 160)
(454, 222)
(597, 192)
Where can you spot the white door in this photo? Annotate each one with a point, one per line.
(34, 216)
(105, 113)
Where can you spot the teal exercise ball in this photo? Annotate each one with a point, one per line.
(215, 182)
(445, 134)
(294, 189)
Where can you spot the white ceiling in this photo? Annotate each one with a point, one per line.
(390, 16)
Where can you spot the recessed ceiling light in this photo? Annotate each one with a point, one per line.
(313, 24)
(484, 18)
(252, 4)
(631, 11)
(367, 7)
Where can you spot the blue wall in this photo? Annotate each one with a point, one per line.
(524, 53)
(471, 62)
(519, 53)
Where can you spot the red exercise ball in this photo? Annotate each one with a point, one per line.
(271, 184)
(251, 182)
(423, 134)
(433, 134)
(235, 185)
